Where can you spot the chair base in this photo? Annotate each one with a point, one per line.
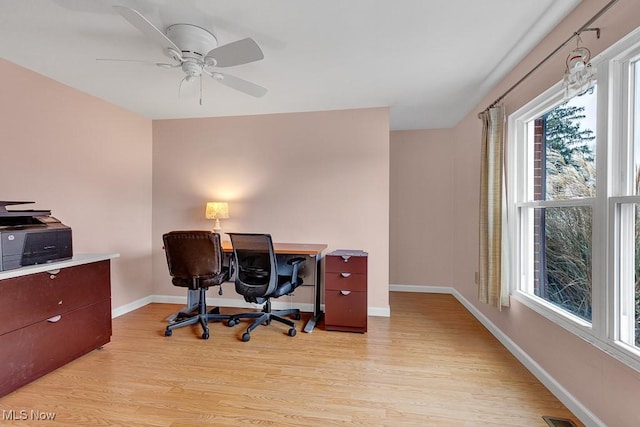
(265, 317)
(195, 311)
(203, 317)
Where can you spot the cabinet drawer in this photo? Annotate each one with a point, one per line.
(35, 350)
(352, 264)
(29, 299)
(345, 312)
(345, 281)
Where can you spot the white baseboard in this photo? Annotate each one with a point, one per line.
(168, 299)
(219, 302)
(124, 309)
(233, 303)
(577, 408)
(423, 289)
(379, 311)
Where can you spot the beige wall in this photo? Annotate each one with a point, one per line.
(421, 206)
(318, 177)
(603, 385)
(88, 162)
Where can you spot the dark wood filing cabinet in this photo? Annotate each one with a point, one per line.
(50, 318)
(345, 298)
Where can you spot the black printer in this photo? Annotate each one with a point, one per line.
(29, 237)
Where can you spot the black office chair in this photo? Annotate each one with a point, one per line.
(195, 261)
(258, 281)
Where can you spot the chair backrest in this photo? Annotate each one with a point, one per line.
(255, 265)
(192, 255)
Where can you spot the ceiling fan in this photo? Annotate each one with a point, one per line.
(196, 51)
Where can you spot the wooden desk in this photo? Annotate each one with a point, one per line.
(311, 249)
(285, 251)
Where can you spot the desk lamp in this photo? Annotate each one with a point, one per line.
(217, 211)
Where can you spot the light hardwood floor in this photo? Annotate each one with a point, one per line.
(430, 364)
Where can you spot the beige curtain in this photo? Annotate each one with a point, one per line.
(493, 268)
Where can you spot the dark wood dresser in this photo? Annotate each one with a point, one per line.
(345, 298)
(51, 317)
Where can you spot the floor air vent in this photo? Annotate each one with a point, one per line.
(558, 422)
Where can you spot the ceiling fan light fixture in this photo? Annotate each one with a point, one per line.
(192, 68)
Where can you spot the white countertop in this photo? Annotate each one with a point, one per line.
(77, 259)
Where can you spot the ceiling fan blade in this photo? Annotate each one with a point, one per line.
(240, 84)
(235, 53)
(140, 61)
(148, 29)
(123, 60)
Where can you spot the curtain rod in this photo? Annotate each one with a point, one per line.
(584, 27)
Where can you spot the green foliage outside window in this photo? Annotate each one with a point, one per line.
(564, 135)
(570, 174)
(567, 235)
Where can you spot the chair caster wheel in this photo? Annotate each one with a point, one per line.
(232, 322)
(168, 333)
(246, 337)
(292, 332)
(296, 316)
(205, 335)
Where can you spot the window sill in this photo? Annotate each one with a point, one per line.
(624, 353)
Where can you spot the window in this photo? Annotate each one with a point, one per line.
(559, 202)
(574, 204)
(626, 210)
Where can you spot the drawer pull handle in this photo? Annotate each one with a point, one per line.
(345, 274)
(53, 273)
(346, 257)
(54, 319)
(345, 292)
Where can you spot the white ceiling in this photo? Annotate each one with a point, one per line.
(430, 61)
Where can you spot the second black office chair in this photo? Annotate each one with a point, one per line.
(195, 261)
(258, 281)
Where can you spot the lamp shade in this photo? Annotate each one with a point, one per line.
(217, 210)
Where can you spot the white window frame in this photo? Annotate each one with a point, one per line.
(623, 201)
(613, 318)
(520, 155)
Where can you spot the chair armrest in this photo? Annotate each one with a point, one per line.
(295, 262)
(230, 264)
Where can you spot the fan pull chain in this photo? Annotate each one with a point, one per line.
(180, 85)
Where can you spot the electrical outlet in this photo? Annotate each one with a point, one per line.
(477, 278)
